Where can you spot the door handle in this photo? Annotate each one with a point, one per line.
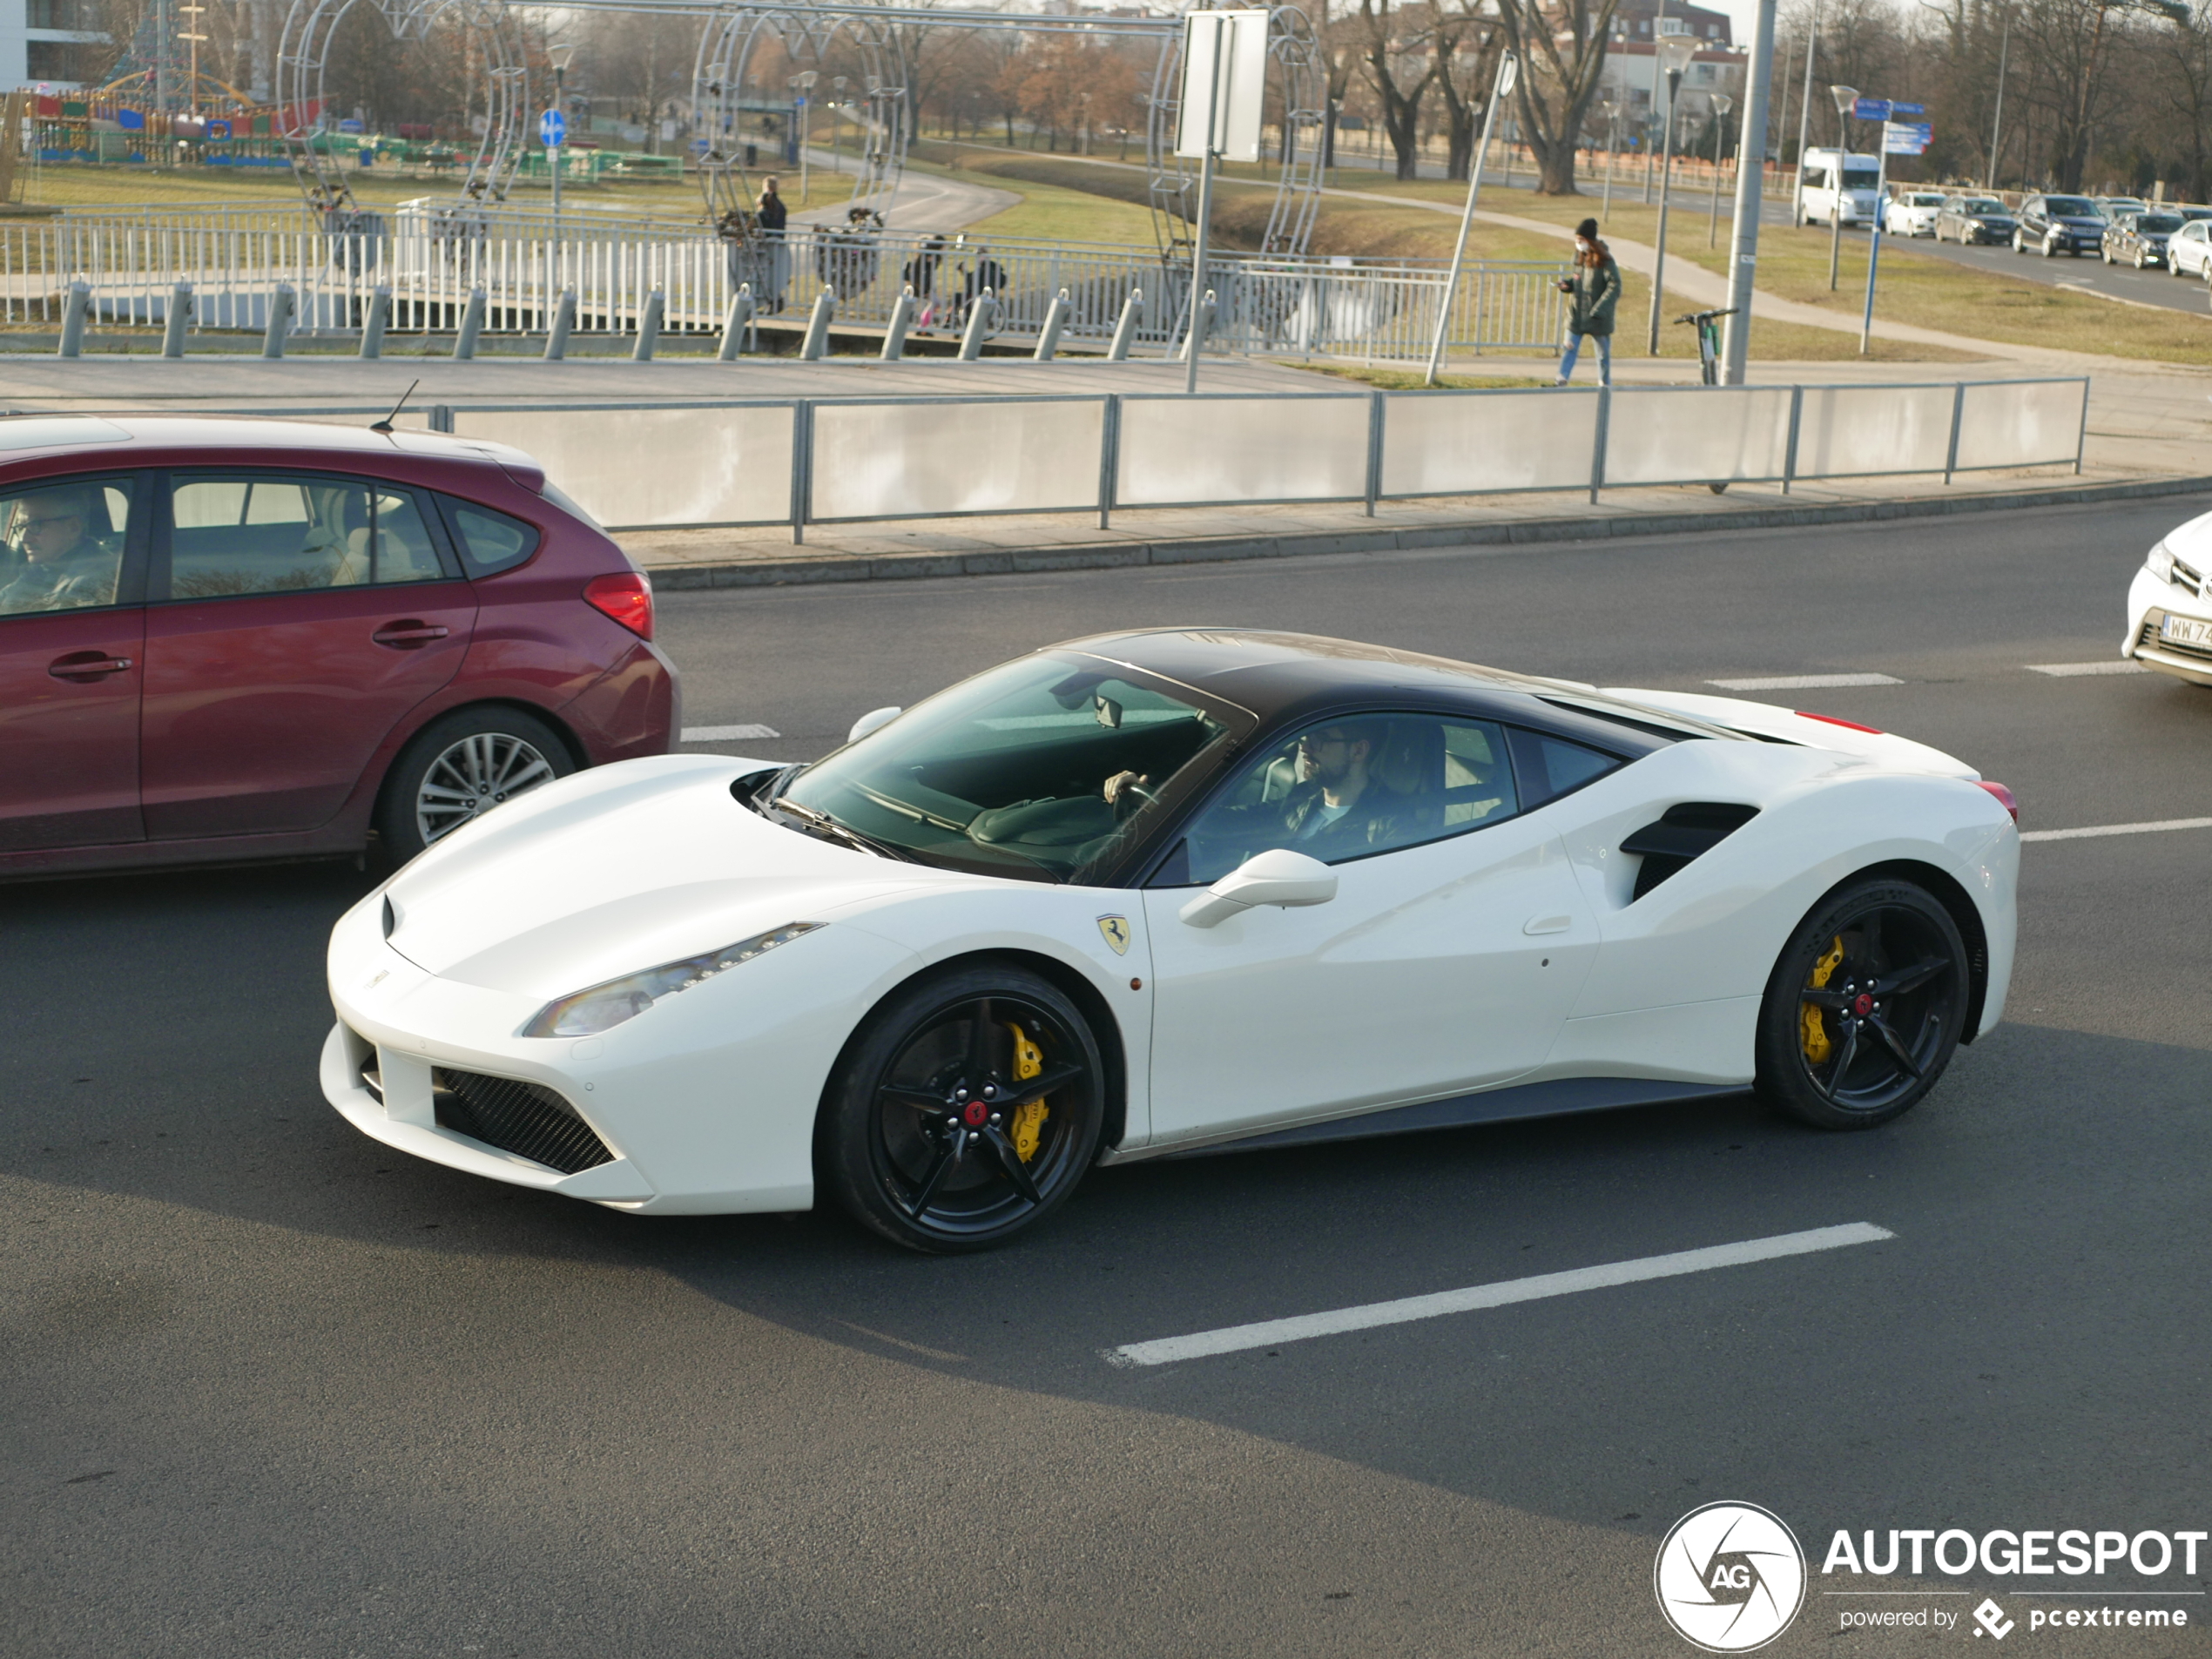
(1548, 925)
(86, 666)
(409, 635)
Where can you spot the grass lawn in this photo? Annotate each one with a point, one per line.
(1916, 287)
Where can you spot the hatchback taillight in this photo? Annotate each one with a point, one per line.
(627, 597)
(2004, 797)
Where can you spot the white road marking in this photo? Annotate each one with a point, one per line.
(2072, 671)
(727, 733)
(1272, 1332)
(2157, 827)
(1805, 682)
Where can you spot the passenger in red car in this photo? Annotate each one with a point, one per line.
(53, 561)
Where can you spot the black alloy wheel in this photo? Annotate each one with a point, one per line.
(964, 1111)
(1866, 1006)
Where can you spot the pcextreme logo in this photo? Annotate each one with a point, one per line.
(1730, 1577)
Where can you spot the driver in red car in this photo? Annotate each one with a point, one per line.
(56, 562)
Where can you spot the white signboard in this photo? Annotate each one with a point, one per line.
(1225, 71)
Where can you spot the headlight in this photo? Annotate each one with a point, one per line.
(583, 1014)
(2161, 562)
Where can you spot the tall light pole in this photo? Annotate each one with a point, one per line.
(1845, 98)
(804, 81)
(561, 56)
(1675, 53)
(1743, 236)
(1722, 105)
(1611, 108)
(1997, 122)
(1508, 72)
(1805, 113)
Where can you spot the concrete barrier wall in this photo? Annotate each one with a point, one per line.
(669, 466)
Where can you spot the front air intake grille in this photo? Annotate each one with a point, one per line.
(526, 1119)
(2150, 640)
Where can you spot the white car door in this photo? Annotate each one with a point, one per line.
(1446, 963)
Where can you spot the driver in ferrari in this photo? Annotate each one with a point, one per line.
(1334, 808)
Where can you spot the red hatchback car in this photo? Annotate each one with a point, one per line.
(225, 639)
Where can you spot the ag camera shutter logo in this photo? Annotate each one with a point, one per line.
(1730, 1577)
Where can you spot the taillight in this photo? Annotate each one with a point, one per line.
(1807, 714)
(2004, 797)
(627, 597)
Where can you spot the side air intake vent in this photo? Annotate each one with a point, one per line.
(1687, 832)
(529, 1120)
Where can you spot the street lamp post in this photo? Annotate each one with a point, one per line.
(836, 127)
(1611, 108)
(1997, 121)
(1508, 72)
(562, 56)
(804, 81)
(1675, 53)
(1721, 105)
(1845, 98)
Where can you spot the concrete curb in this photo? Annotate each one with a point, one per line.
(1107, 556)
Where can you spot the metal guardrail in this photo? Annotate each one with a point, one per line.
(434, 262)
(650, 466)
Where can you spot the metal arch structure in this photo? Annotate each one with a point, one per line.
(1298, 89)
(494, 29)
(806, 33)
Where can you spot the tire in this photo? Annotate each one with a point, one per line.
(1855, 1039)
(907, 1141)
(2105, 254)
(460, 766)
(2018, 246)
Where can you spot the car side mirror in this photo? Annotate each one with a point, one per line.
(1278, 876)
(874, 721)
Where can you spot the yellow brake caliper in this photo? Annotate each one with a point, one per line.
(1028, 1121)
(1815, 1034)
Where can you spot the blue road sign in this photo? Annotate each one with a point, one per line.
(1908, 108)
(1872, 109)
(552, 129)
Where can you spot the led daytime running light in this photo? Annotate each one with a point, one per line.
(586, 1013)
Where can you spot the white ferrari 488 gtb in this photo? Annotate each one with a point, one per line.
(1155, 892)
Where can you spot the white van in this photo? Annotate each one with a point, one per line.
(1817, 188)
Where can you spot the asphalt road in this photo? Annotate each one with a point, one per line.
(268, 1388)
(2153, 287)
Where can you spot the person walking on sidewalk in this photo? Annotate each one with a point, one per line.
(1595, 292)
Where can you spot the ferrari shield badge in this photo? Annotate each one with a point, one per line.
(1116, 931)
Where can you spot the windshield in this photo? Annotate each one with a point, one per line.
(1923, 201)
(1008, 773)
(1861, 177)
(1981, 205)
(2071, 206)
(2158, 224)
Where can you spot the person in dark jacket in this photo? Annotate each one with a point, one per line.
(1593, 294)
(771, 217)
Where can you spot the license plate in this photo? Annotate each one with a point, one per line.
(2186, 630)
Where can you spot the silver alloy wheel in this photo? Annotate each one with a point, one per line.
(471, 777)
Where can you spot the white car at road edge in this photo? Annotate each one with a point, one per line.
(1162, 892)
(2169, 605)
(1912, 213)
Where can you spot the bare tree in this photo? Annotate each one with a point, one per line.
(1392, 56)
(1562, 49)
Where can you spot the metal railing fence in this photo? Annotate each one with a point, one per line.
(797, 462)
(433, 261)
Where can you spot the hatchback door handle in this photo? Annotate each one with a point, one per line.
(86, 665)
(409, 635)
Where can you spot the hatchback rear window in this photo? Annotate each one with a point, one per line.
(489, 541)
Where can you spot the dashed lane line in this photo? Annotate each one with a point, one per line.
(1805, 682)
(727, 733)
(2076, 670)
(2156, 827)
(1270, 1333)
